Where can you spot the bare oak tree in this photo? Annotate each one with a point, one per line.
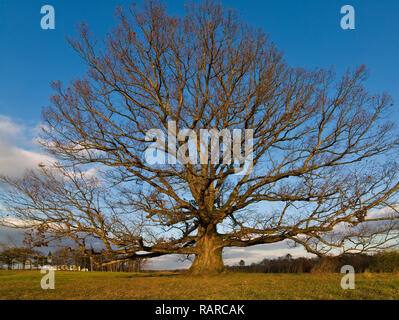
(324, 169)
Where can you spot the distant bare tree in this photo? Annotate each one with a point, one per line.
(8, 256)
(18, 255)
(324, 149)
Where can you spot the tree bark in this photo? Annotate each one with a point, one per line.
(208, 259)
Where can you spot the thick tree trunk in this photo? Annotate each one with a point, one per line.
(208, 260)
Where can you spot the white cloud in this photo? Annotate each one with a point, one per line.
(9, 129)
(14, 160)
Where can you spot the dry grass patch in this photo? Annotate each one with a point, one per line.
(174, 286)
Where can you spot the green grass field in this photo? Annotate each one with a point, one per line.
(108, 285)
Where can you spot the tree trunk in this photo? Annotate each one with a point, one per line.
(91, 263)
(208, 260)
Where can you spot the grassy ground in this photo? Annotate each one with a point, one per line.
(107, 285)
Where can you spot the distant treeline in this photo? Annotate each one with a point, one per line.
(387, 261)
(65, 258)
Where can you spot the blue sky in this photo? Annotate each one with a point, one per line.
(308, 31)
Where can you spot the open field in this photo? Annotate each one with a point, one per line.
(107, 285)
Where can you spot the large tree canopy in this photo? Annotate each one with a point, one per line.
(323, 171)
